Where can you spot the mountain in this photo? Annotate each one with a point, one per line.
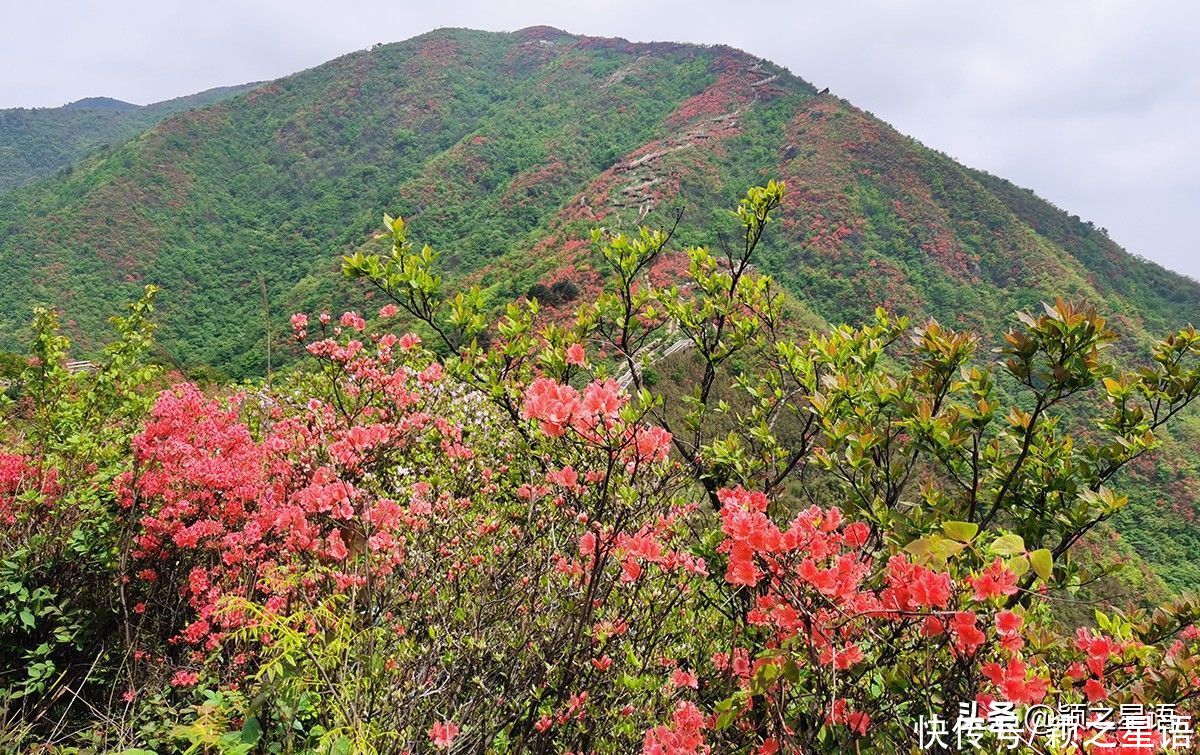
(36, 142)
(503, 149)
(100, 103)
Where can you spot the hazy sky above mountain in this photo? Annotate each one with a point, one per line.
(1094, 105)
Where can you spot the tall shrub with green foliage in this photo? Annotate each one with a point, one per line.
(63, 543)
(497, 535)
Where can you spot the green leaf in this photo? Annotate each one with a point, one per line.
(963, 532)
(1043, 563)
(1019, 564)
(1008, 545)
(942, 550)
(919, 547)
(726, 710)
(251, 731)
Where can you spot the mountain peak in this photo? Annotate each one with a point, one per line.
(548, 33)
(101, 103)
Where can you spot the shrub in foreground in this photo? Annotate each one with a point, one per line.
(502, 538)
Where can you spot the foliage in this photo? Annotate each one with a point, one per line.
(64, 546)
(505, 150)
(507, 540)
(38, 142)
(837, 622)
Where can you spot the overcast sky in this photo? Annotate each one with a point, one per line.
(1094, 105)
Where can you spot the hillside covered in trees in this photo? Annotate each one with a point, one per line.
(35, 142)
(504, 151)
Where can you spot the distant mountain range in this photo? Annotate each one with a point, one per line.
(36, 142)
(502, 150)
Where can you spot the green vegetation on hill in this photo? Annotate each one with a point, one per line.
(100, 103)
(39, 141)
(504, 150)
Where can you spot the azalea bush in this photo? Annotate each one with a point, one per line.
(452, 532)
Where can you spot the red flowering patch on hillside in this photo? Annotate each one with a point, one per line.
(670, 269)
(931, 223)
(19, 475)
(882, 283)
(948, 253)
(573, 266)
(266, 91)
(721, 98)
(837, 152)
(530, 185)
(533, 52)
(828, 238)
(433, 56)
(448, 181)
(124, 236)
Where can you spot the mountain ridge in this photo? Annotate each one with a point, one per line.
(99, 103)
(36, 142)
(535, 45)
(503, 150)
